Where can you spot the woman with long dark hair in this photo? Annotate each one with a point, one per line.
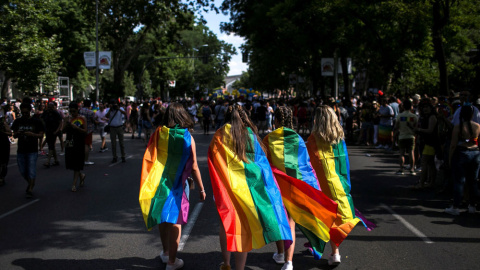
(246, 194)
(464, 160)
(76, 129)
(168, 161)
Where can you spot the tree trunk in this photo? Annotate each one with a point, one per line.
(439, 23)
(7, 81)
(346, 79)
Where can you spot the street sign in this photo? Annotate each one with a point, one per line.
(171, 83)
(104, 59)
(328, 66)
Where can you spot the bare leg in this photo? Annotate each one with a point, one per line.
(163, 229)
(335, 249)
(280, 246)
(173, 241)
(240, 260)
(291, 248)
(223, 245)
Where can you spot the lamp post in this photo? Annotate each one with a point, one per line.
(97, 93)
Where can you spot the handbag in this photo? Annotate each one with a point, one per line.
(107, 127)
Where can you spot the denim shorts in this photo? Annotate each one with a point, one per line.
(27, 164)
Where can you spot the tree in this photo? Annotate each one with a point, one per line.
(28, 54)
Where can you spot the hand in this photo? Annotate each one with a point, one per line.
(203, 195)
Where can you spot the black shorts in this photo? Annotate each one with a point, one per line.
(407, 144)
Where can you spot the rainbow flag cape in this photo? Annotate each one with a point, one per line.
(246, 194)
(166, 165)
(333, 171)
(312, 210)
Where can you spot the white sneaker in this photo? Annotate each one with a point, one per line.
(89, 162)
(471, 209)
(334, 259)
(177, 265)
(379, 146)
(288, 266)
(452, 211)
(163, 257)
(279, 258)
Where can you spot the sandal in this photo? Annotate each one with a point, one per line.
(82, 180)
(74, 188)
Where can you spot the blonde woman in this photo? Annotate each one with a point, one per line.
(329, 157)
(288, 157)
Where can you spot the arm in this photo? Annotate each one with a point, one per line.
(453, 143)
(196, 173)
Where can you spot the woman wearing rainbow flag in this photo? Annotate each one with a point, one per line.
(307, 206)
(168, 161)
(328, 153)
(246, 195)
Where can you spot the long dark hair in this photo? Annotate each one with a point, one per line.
(466, 114)
(284, 116)
(239, 122)
(177, 115)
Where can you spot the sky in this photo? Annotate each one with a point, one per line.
(213, 23)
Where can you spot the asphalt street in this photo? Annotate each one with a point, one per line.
(101, 226)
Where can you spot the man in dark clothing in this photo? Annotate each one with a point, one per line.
(262, 117)
(28, 130)
(53, 126)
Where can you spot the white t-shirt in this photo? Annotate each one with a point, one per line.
(100, 116)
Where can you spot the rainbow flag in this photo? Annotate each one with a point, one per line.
(166, 165)
(312, 210)
(246, 194)
(333, 171)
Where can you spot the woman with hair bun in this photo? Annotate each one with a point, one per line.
(246, 195)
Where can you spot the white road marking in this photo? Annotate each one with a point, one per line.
(116, 163)
(408, 225)
(19, 208)
(188, 228)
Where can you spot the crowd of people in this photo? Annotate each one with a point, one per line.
(433, 133)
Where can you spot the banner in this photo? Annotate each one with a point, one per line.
(328, 66)
(104, 59)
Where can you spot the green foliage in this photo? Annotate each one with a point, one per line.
(27, 53)
(83, 80)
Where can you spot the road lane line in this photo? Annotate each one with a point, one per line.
(188, 228)
(408, 225)
(116, 163)
(19, 208)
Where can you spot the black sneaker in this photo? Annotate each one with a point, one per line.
(114, 160)
(123, 160)
(28, 194)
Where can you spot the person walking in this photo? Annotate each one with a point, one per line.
(405, 128)
(5, 133)
(114, 117)
(464, 158)
(53, 126)
(146, 121)
(290, 162)
(241, 176)
(329, 158)
(101, 122)
(28, 130)
(164, 200)
(134, 119)
(76, 130)
(90, 117)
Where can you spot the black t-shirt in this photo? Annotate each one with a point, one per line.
(52, 120)
(262, 113)
(27, 144)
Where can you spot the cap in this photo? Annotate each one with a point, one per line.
(416, 97)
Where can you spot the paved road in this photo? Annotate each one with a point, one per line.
(101, 227)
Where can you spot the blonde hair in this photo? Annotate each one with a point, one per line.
(326, 125)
